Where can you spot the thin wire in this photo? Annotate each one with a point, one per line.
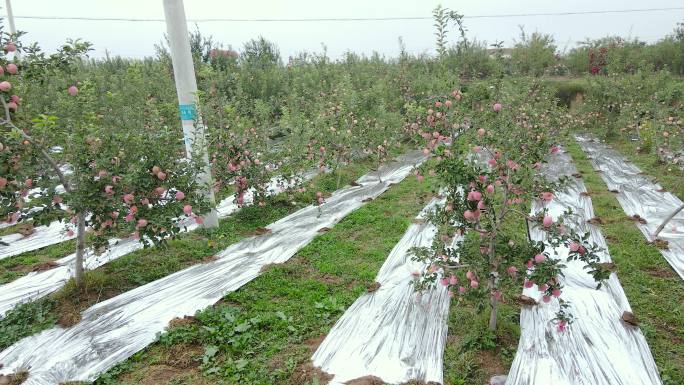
(354, 18)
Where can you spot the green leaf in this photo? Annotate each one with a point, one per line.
(209, 353)
(243, 327)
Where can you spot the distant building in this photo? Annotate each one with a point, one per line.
(222, 52)
(505, 52)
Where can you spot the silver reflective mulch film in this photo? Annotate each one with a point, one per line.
(639, 196)
(115, 329)
(32, 193)
(7, 224)
(392, 333)
(55, 231)
(39, 284)
(598, 348)
(42, 236)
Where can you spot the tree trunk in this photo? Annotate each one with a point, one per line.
(337, 170)
(491, 285)
(339, 178)
(80, 249)
(379, 172)
(492, 316)
(527, 225)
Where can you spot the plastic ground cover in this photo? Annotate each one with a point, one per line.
(115, 329)
(392, 333)
(42, 236)
(639, 196)
(597, 348)
(59, 189)
(12, 223)
(55, 233)
(39, 284)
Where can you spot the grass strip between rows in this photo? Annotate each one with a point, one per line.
(17, 266)
(670, 176)
(265, 332)
(654, 290)
(147, 265)
(474, 353)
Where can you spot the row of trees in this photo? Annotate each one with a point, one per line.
(537, 54)
(644, 108)
(488, 150)
(107, 131)
(96, 146)
(61, 159)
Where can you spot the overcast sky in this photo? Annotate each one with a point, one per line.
(137, 39)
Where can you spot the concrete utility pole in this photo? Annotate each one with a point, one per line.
(186, 87)
(10, 16)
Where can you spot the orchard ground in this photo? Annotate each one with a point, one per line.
(265, 118)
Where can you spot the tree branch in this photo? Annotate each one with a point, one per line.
(666, 221)
(8, 123)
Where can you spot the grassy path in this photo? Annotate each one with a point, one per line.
(656, 293)
(668, 175)
(19, 265)
(265, 332)
(654, 290)
(147, 265)
(474, 353)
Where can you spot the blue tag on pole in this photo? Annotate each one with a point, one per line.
(187, 111)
